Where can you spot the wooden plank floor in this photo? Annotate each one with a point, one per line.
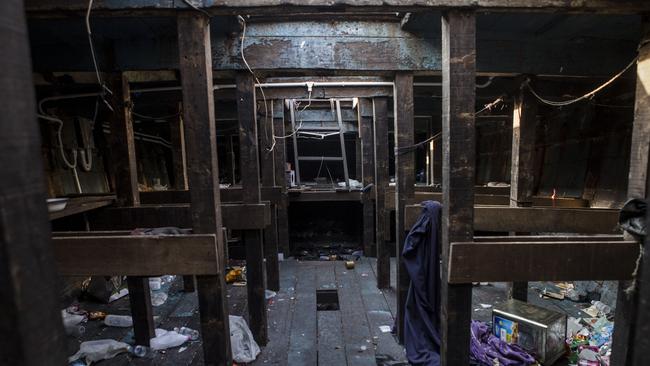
(298, 333)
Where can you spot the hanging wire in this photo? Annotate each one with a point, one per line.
(188, 3)
(586, 96)
(104, 88)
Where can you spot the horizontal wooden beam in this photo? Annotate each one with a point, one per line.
(293, 6)
(233, 194)
(235, 216)
(492, 199)
(137, 255)
(535, 219)
(547, 238)
(324, 196)
(542, 261)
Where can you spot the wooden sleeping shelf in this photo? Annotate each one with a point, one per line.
(80, 204)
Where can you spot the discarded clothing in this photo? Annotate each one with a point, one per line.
(632, 217)
(485, 347)
(422, 314)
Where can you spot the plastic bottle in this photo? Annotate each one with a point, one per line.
(141, 351)
(193, 334)
(123, 321)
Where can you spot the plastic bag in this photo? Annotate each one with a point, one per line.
(243, 345)
(167, 339)
(101, 349)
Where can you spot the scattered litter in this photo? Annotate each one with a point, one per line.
(72, 323)
(118, 295)
(96, 315)
(485, 347)
(268, 294)
(280, 257)
(141, 351)
(385, 328)
(551, 294)
(167, 339)
(155, 283)
(363, 348)
(485, 306)
(101, 349)
(236, 274)
(121, 321)
(158, 298)
(193, 334)
(349, 265)
(243, 345)
(182, 349)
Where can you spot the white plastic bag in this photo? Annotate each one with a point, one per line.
(122, 321)
(167, 339)
(101, 349)
(243, 345)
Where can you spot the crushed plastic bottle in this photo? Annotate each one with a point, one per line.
(193, 334)
(122, 321)
(167, 339)
(141, 351)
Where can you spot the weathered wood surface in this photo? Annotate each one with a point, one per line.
(267, 165)
(235, 216)
(522, 166)
(366, 115)
(292, 6)
(195, 61)
(122, 143)
(77, 205)
(145, 255)
(458, 169)
(630, 310)
(231, 194)
(177, 139)
(382, 229)
(405, 180)
(141, 309)
(490, 199)
(29, 293)
(542, 261)
(323, 196)
(280, 164)
(536, 219)
(250, 173)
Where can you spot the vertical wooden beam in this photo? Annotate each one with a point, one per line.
(404, 181)
(631, 308)
(141, 309)
(368, 169)
(380, 112)
(29, 289)
(203, 176)
(123, 144)
(459, 145)
(280, 157)
(250, 176)
(522, 173)
(178, 151)
(267, 162)
(125, 167)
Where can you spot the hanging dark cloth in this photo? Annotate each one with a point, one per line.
(422, 314)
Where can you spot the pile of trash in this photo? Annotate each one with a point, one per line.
(590, 339)
(330, 252)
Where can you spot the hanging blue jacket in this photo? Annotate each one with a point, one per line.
(421, 257)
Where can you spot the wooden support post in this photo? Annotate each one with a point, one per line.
(123, 143)
(629, 346)
(405, 181)
(280, 157)
(250, 177)
(368, 169)
(458, 146)
(29, 290)
(126, 189)
(522, 174)
(265, 129)
(177, 137)
(382, 236)
(203, 176)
